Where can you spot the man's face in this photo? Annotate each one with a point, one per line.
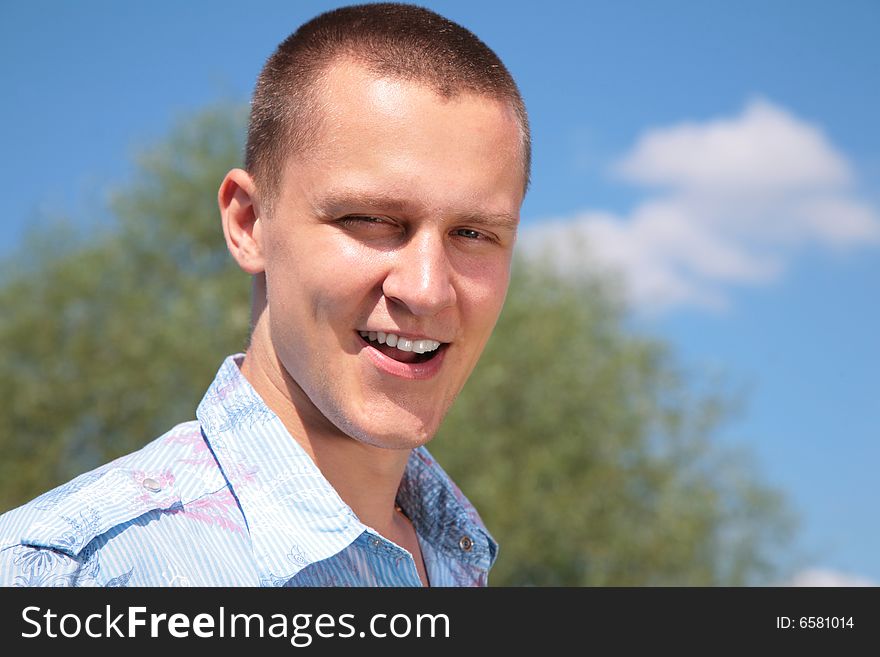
(397, 227)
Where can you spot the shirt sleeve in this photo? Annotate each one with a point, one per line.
(25, 565)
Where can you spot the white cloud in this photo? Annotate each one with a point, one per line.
(741, 196)
(765, 148)
(825, 577)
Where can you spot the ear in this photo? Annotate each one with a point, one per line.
(241, 220)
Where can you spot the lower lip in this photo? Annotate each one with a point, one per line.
(411, 371)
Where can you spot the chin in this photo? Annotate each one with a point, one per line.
(401, 432)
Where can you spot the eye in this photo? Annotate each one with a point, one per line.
(370, 228)
(368, 224)
(472, 235)
(367, 219)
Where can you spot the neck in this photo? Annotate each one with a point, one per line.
(366, 477)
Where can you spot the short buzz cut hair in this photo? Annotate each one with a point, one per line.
(400, 41)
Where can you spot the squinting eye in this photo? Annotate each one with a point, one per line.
(469, 233)
(365, 218)
(364, 222)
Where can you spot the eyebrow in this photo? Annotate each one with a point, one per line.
(338, 200)
(335, 201)
(492, 219)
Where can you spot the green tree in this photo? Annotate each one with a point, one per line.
(111, 337)
(584, 445)
(591, 457)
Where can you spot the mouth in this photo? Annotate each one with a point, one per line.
(402, 349)
(419, 359)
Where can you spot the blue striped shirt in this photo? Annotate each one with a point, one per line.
(231, 499)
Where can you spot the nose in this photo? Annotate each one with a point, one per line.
(420, 277)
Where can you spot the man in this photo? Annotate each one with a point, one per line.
(387, 159)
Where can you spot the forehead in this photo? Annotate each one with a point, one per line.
(350, 95)
(392, 133)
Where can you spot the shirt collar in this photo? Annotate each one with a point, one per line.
(294, 516)
(442, 515)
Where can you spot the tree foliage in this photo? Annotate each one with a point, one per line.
(590, 454)
(111, 337)
(584, 445)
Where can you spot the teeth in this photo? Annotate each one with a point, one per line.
(423, 346)
(404, 344)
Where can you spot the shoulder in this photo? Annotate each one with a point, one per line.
(45, 542)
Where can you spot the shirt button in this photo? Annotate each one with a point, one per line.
(376, 542)
(151, 485)
(466, 543)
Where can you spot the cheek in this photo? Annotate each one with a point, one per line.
(483, 296)
(321, 282)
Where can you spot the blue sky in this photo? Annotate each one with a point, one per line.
(722, 157)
